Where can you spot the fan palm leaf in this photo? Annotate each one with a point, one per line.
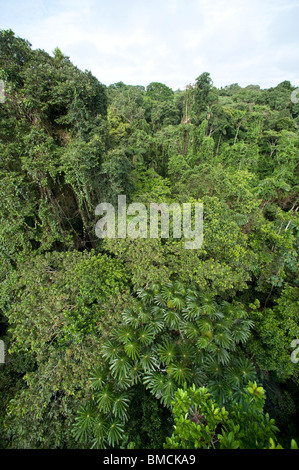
(191, 330)
(125, 334)
(120, 367)
(246, 370)
(130, 317)
(146, 334)
(100, 428)
(111, 350)
(179, 372)
(115, 433)
(223, 339)
(84, 421)
(105, 399)
(193, 310)
(120, 406)
(186, 351)
(132, 349)
(148, 361)
(205, 325)
(155, 382)
(213, 368)
(166, 352)
(98, 378)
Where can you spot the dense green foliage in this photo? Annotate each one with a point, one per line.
(110, 343)
(200, 423)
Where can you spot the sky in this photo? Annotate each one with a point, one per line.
(167, 41)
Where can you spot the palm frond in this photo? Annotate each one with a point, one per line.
(123, 383)
(191, 330)
(155, 382)
(144, 314)
(167, 292)
(213, 368)
(240, 333)
(166, 351)
(105, 399)
(221, 355)
(124, 334)
(246, 370)
(168, 392)
(223, 339)
(198, 376)
(203, 342)
(100, 427)
(84, 421)
(172, 319)
(136, 372)
(186, 351)
(132, 349)
(179, 289)
(233, 377)
(193, 310)
(120, 367)
(146, 295)
(115, 433)
(159, 301)
(179, 372)
(131, 317)
(98, 378)
(219, 390)
(148, 361)
(120, 406)
(205, 325)
(111, 350)
(146, 334)
(177, 302)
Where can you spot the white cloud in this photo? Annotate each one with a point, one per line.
(137, 41)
